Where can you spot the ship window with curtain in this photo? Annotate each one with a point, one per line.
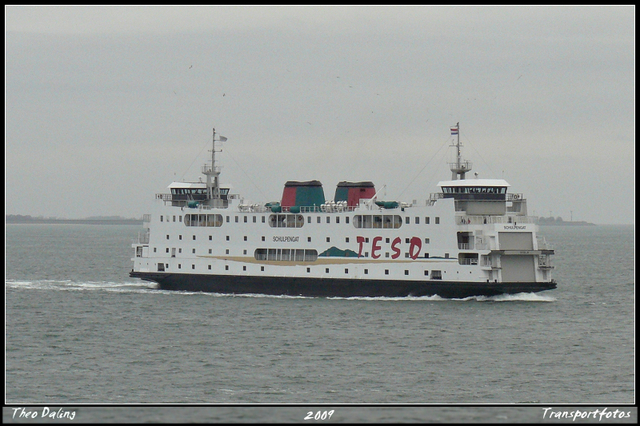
(386, 221)
(286, 255)
(286, 220)
(211, 220)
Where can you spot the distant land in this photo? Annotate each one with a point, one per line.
(93, 220)
(559, 221)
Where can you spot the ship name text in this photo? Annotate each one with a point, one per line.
(286, 239)
(515, 227)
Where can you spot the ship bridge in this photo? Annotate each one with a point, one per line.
(191, 194)
(482, 197)
(475, 189)
(478, 197)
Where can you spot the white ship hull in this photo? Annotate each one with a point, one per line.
(452, 245)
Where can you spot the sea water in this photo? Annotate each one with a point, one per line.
(81, 335)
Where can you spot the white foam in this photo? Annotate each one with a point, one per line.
(68, 285)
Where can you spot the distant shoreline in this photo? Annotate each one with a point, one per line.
(19, 219)
(566, 224)
(558, 221)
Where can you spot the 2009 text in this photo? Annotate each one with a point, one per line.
(320, 415)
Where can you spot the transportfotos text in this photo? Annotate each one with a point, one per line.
(599, 414)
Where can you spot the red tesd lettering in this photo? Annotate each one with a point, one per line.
(415, 247)
(394, 247)
(375, 247)
(360, 241)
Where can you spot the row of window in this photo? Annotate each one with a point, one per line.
(189, 191)
(435, 274)
(193, 251)
(297, 255)
(474, 190)
(286, 220)
(310, 255)
(286, 255)
(328, 239)
(214, 220)
(385, 221)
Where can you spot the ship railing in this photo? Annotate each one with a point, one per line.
(433, 197)
(489, 219)
(206, 169)
(545, 264)
(543, 244)
(143, 237)
(461, 166)
(324, 208)
(253, 208)
(163, 197)
(489, 264)
(476, 246)
(468, 261)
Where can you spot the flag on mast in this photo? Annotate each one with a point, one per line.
(454, 130)
(222, 139)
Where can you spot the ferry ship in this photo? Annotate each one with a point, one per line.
(473, 238)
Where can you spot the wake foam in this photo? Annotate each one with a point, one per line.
(68, 285)
(145, 287)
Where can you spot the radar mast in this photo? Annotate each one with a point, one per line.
(213, 176)
(460, 167)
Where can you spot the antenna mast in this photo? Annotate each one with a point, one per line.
(459, 168)
(212, 173)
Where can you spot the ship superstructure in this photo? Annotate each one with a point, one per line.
(472, 238)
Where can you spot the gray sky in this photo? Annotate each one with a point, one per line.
(105, 106)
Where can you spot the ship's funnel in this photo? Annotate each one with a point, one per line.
(352, 192)
(303, 194)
